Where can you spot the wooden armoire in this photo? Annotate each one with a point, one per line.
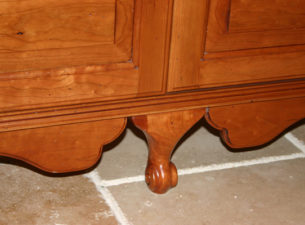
(73, 71)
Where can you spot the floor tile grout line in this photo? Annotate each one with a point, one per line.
(245, 163)
(295, 141)
(108, 197)
(124, 180)
(209, 168)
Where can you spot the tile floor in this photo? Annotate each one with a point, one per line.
(217, 186)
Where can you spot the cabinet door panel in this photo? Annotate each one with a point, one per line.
(46, 34)
(220, 43)
(69, 52)
(247, 24)
(256, 15)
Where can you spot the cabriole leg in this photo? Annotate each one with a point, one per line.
(163, 131)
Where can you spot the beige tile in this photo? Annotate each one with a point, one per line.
(28, 198)
(205, 148)
(128, 156)
(270, 194)
(299, 132)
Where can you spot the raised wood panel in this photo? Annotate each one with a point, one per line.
(128, 59)
(249, 15)
(63, 85)
(194, 63)
(38, 35)
(33, 25)
(236, 25)
(251, 68)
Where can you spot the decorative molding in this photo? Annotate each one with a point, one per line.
(65, 148)
(163, 131)
(75, 112)
(255, 124)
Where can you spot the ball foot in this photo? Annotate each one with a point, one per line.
(160, 178)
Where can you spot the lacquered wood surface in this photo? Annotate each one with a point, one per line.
(60, 149)
(207, 53)
(50, 34)
(186, 43)
(282, 15)
(163, 131)
(71, 72)
(155, 31)
(254, 124)
(252, 67)
(78, 65)
(82, 112)
(248, 15)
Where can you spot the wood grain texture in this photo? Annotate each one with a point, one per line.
(50, 34)
(254, 124)
(163, 131)
(248, 15)
(221, 38)
(35, 80)
(49, 115)
(63, 85)
(194, 66)
(248, 67)
(124, 26)
(60, 149)
(71, 72)
(154, 44)
(33, 25)
(188, 32)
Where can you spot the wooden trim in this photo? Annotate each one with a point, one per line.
(254, 124)
(124, 26)
(154, 45)
(252, 69)
(110, 81)
(136, 32)
(61, 149)
(81, 112)
(188, 34)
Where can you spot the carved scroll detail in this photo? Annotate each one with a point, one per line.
(254, 124)
(64, 148)
(163, 131)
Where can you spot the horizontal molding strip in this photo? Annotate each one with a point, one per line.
(94, 111)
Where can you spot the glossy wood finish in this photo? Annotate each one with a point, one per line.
(54, 51)
(186, 43)
(254, 124)
(255, 16)
(110, 81)
(60, 149)
(229, 28)
(163, 131)
(209, 54)
(66, 114)
(155, 31)
(80, 68)
(46, 66)
(246, 67)
(64, 33)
